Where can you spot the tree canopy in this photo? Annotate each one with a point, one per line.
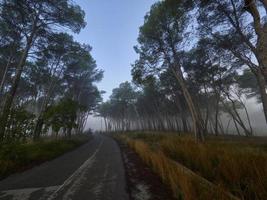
(47, 78)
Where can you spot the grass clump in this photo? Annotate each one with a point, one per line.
(238, 167)
(18, 156)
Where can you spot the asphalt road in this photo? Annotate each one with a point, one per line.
(94, 171)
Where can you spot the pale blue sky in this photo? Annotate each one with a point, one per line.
(112, 29)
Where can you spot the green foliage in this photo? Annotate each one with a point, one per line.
(62, 115)
(15, 157)
(247, 81)
(160, 38)
(21, 124)
(43, 65)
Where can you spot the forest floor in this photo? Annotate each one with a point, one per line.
(20, 156)
(223, 167)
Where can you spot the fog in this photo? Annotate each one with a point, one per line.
(255, 113)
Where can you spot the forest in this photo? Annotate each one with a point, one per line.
(199, 62)
(44, 70)
(181, 128)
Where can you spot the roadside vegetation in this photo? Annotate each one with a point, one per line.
(19, 156)
(222, 169)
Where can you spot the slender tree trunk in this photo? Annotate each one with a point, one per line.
(236, 126)
(195, 113)
(216, 115)
(262, 86)
(106, 127)
(206, 119)
(184, 122)
(69, 132)
(261, 54)
(247, 114)
(40, 120)
(10, 96)
(182, 112)
(235, 115)
(4, 77)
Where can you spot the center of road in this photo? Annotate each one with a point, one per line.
(73, 181)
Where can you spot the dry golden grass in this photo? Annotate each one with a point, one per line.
(237, 167)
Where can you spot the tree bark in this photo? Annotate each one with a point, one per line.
(4, 77)
(182, 111)
(262, 86)
(40, 121)
(217, 113)
(235, 115)
(196, 116)
(10, 96)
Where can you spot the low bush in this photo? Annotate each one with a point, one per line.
(15, 157)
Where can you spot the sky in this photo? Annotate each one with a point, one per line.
(112, 31)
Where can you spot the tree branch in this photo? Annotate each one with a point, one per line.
(251, 7)
(235, 23)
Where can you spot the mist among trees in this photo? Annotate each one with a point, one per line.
(198, 61)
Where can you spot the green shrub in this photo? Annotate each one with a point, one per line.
(17, 156)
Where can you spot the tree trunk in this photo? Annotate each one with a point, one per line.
(69, 132)
(182, 111)
(40, 121)
(38, 128)
(10, 96)
(236, 126)
(262, 86)
(106, 127)
(195, 113)
(184, 122)
(4, 77)
(247, 114)
(216, 115)
(235, 115)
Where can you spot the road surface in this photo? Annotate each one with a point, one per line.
(94, 171)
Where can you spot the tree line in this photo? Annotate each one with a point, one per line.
(198, 60)
(47, 79)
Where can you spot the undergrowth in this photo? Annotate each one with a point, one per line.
(239, 167)
(18, 156)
